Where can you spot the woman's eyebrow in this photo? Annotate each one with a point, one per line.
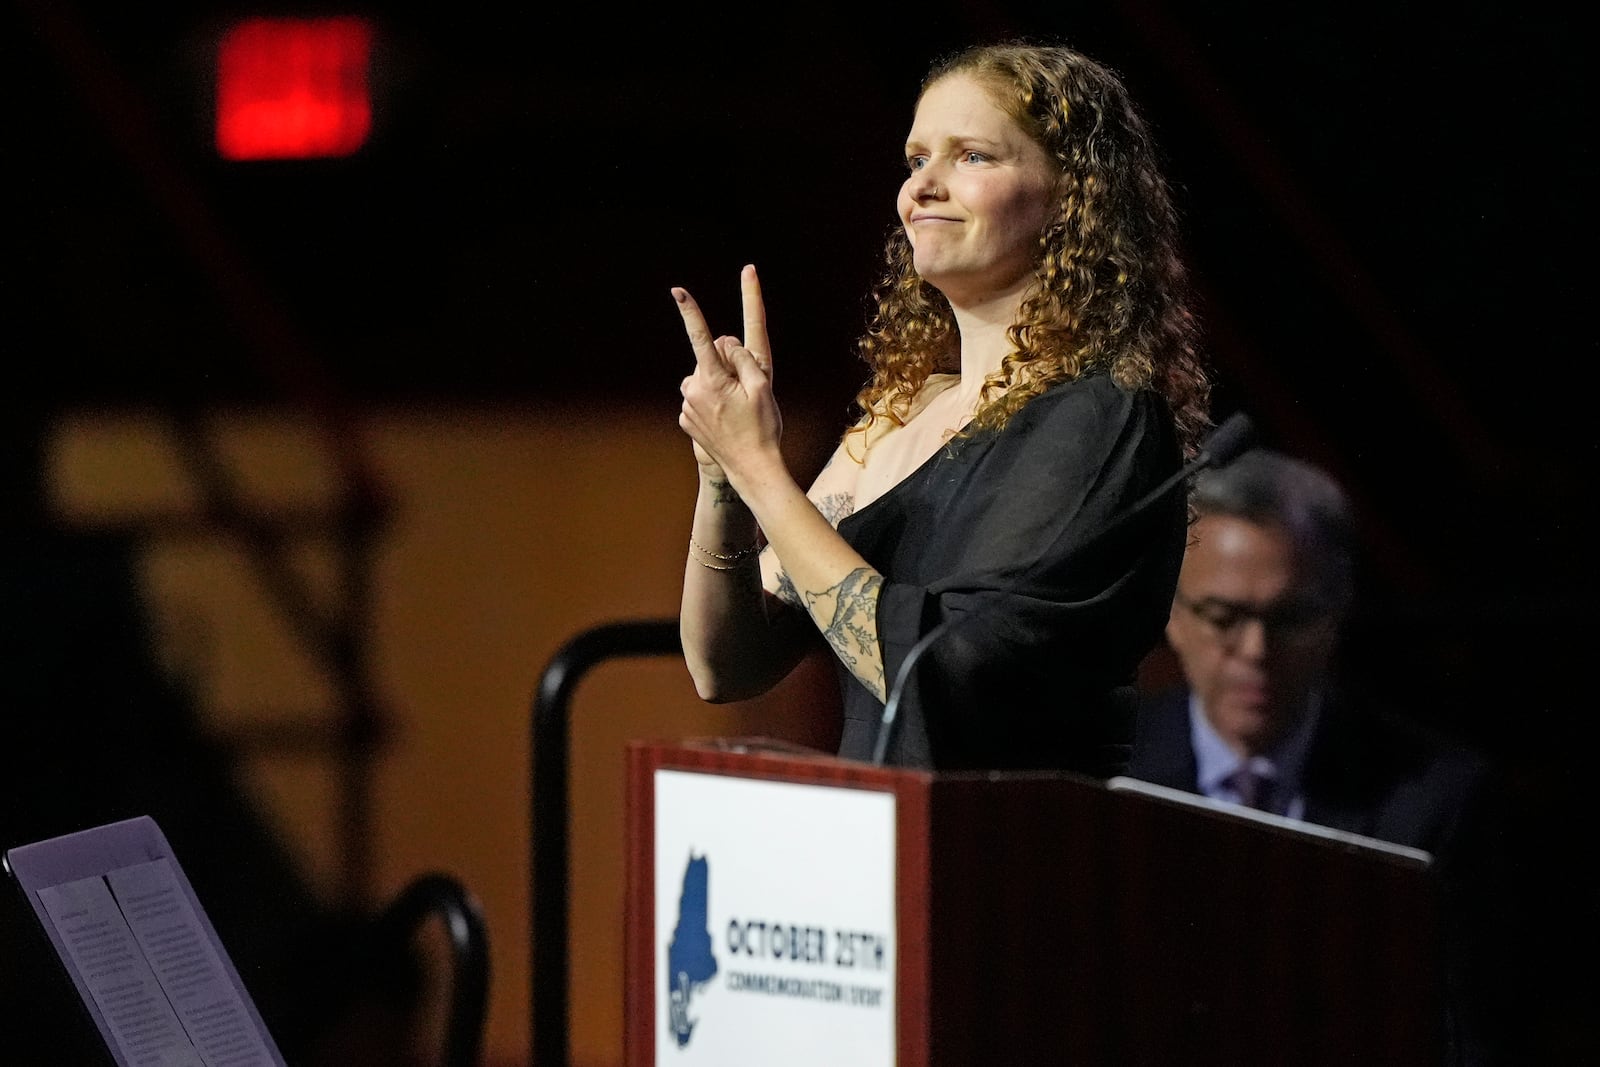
(956, 138)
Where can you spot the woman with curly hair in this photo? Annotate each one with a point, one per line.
(1033, 374)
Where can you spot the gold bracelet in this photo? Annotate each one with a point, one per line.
(719, 566)
(736, 557)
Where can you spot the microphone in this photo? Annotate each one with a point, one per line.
(1222, 447)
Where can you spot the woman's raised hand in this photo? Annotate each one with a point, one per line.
(729, 410)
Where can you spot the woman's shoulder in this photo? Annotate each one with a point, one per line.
(1093, 420)
(1094, 396)
(882, 420)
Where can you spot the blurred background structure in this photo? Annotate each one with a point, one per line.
(372, 434)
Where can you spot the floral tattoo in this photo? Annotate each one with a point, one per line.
(836, 506)
(851, 626)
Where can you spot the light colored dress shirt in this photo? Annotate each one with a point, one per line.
(1217, 765)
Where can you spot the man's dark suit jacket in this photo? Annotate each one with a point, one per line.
(1378, 777)
(1385, 778)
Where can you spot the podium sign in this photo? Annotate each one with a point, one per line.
(774, 922)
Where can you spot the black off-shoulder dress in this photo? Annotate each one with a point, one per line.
(999, 531)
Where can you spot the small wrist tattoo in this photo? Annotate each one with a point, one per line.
(722, 492)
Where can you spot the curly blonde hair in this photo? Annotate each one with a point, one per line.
(1109, 288)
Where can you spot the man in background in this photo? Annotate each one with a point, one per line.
(1264, 719)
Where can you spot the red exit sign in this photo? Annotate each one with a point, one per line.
(294, 88)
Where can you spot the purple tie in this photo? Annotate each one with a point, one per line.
(1255, 790)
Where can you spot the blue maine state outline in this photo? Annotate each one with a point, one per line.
(690, 963)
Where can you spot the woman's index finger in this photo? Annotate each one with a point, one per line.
(694, 324)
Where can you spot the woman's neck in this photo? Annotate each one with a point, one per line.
(984, 330)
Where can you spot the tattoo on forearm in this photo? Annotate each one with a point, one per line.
(851, 628)
(786, 590)
(836, 506)
(722, 492)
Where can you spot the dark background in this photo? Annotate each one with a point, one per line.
(1387, 208)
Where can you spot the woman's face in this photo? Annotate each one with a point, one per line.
(978, 195)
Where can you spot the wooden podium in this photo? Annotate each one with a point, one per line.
(1045, 919)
